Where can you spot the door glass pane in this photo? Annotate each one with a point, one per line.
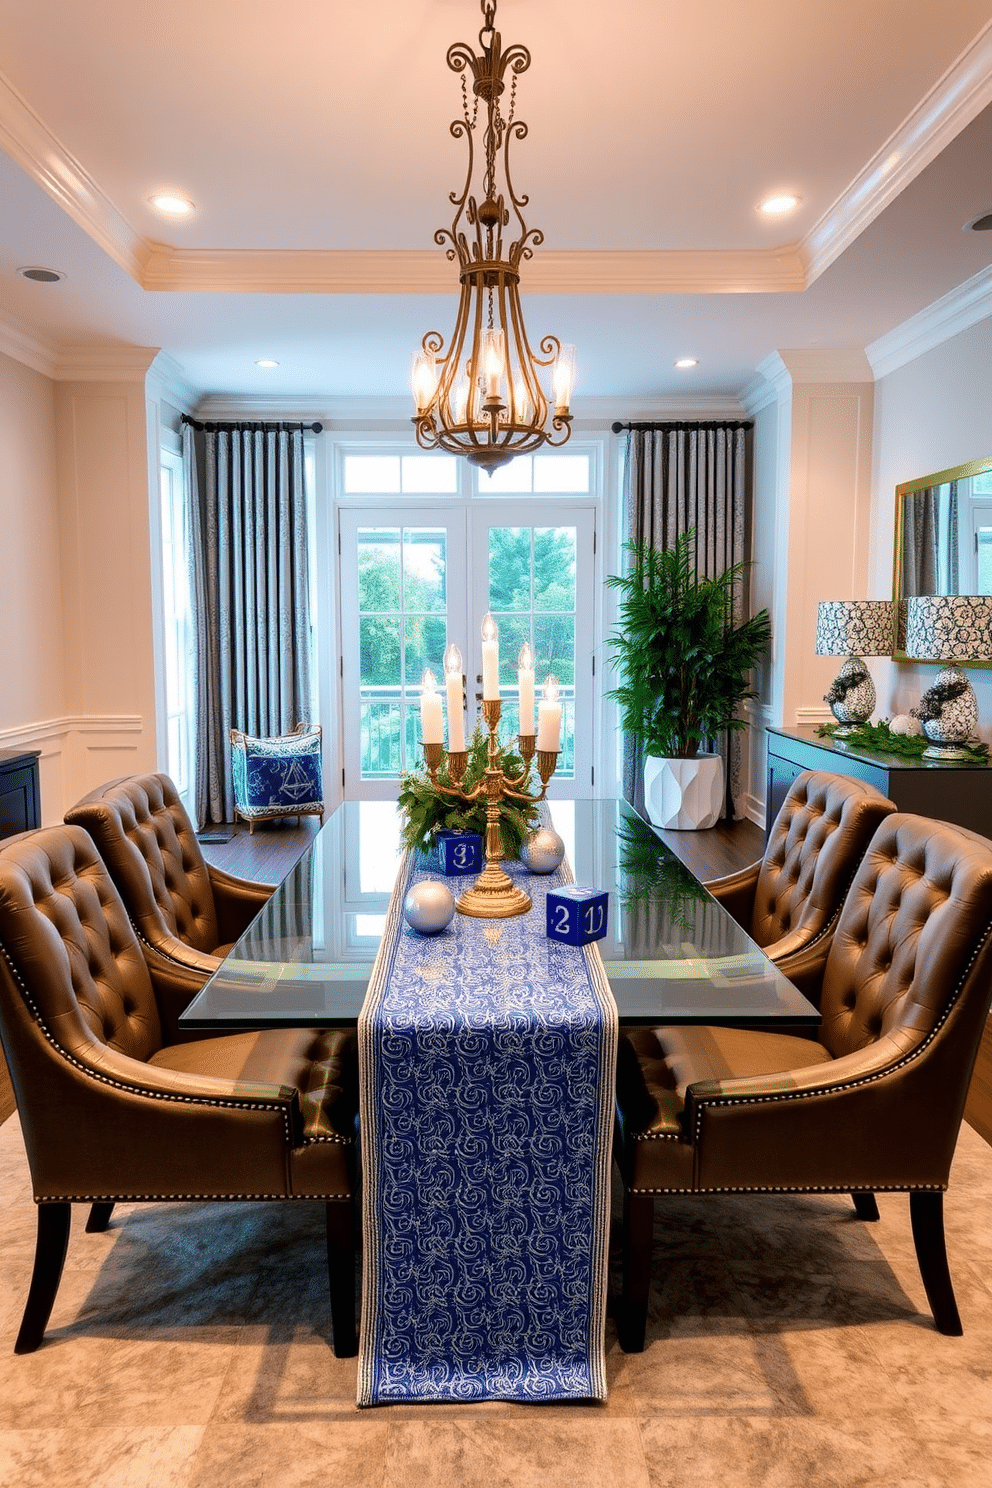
(378, 569)
(402, 628)
(424, 643)
(554, 568)
(510, 568)
(554, 648)
(532, 595)
(423, 569)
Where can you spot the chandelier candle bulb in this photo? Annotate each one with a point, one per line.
(563, 378)
(424, 379)
(453, 687)
(490, 660)
(431, 718)
(525, 680)
(549, 727)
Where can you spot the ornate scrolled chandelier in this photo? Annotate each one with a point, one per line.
(483, 398)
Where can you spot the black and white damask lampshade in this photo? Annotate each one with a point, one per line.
(952, 628)
(853, 628)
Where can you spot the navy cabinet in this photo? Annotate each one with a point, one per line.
(20, 795)
(955, 792)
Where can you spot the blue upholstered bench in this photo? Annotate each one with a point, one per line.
(277, 777)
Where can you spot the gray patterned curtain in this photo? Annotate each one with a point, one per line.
(677, 476)
(250, 584)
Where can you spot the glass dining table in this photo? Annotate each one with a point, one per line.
(672, 954)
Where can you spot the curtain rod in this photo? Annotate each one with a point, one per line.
(687, 424)
(251, 428)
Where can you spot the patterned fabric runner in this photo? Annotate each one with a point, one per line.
(487, 1057)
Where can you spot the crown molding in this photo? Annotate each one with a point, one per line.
(105, 363)
(589, 413)
(957, 98)
(427, 271)
(951, 104)
(24, 345)
(788, 368)
(168, 380)
(963, 307)
(29, 141)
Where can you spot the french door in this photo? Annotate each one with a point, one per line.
(414, 580)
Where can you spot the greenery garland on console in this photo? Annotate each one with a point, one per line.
(878, 738)
(427, 810)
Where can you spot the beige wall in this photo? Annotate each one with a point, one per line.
(929, 415)
(33, 665)
(75, 586)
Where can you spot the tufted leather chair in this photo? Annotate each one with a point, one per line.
(111, 1113)
(875, 1103)
(789, 901)
(188, 914)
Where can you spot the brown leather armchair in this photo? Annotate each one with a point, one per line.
(789, 901)
(187, 913)
(110, 1113)
(875, 1103)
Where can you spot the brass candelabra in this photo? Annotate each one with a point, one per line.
(493, 896)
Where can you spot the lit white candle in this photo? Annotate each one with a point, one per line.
(453, 687)
(525, 680)
(431, 718)
(549, 728)
(490, 659)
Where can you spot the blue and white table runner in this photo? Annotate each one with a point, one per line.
(487, 1057)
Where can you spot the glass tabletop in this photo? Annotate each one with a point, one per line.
(672, 953)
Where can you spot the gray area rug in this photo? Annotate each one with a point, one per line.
(788, 1344)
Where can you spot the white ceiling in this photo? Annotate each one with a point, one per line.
(314, 140)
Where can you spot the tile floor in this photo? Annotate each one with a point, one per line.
(787, 1345)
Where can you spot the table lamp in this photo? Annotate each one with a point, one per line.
(853, 628)
(952, 628)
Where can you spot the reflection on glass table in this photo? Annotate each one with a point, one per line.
(672, 954)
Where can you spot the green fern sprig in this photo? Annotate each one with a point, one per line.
(426, 810)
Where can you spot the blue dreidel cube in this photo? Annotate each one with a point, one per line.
(577, 915)
(458, 852)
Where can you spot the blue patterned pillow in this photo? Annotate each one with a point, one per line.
(279, 774)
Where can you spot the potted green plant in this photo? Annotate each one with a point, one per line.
(683, 663)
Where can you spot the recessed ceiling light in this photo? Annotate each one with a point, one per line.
(981, 223)
(266, 362)
(42, 276)
(777, 206)
(687, 362)
(172, 206)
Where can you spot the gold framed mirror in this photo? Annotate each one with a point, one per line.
(943, 539)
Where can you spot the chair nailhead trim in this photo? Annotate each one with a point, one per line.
(188, 1100)
(789, 1095)
(815, 1188)
(170, 1198)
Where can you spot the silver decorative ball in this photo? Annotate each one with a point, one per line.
(429, 906)
(904, 724)
(542, 851)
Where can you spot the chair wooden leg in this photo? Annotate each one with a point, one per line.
(341, 1276)
(638, 1232)
(926, 1211)
(99, 1218)
(49, 1258)
(864, 1203)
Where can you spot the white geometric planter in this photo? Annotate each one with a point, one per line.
(683, 794)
